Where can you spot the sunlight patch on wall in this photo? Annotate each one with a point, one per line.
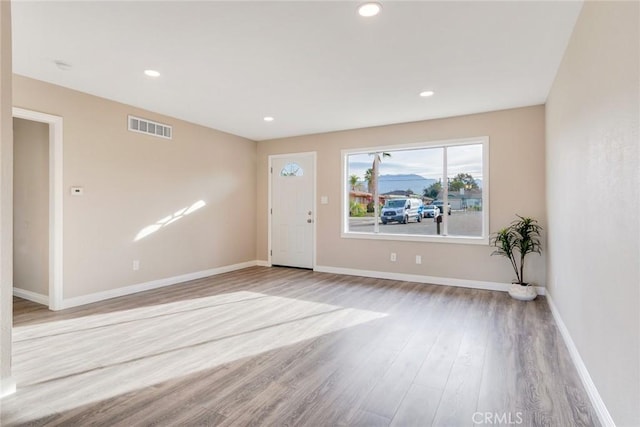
(150, 229)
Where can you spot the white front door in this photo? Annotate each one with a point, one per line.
(292, 209)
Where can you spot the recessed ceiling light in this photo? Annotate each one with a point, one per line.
(268, 119)
(369, 9)
(152, 73)
(427, 93)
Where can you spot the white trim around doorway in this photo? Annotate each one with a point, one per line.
(56, 192)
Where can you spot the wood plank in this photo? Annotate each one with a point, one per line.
(418, 407)
(459, 398)
(369, 419)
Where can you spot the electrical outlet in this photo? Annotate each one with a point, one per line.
(418, 259)
(136, 265)
(393, 257)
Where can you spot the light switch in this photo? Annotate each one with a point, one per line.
(77, 191)
(324, 200)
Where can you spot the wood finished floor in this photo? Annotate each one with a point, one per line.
(289, 347)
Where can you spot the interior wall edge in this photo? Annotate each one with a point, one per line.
(7, 383)
(596, 400)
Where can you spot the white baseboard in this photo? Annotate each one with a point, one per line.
(7, 387)
(160, 283)
(446, 281)
(154, 284)
(31, 296)
(596, 400)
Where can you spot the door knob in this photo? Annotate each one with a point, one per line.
(309, 220)
(309, 213)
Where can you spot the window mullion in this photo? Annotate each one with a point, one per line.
(376, 192)
(445, 194)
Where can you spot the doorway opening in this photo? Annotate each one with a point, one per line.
(38, 208)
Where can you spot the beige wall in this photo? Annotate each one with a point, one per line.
(516, 160)
(132, 181)
(592, 163)
(6, 194)
(31, 206)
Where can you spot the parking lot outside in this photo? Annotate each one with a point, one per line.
(461, 223)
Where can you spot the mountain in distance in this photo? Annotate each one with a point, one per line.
(417, 183)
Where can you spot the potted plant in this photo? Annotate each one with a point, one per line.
(515, 242)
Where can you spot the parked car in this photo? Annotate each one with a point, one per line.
(439, 204)
(430, 211)
(401, 210)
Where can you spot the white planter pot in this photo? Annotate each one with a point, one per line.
(522, 293)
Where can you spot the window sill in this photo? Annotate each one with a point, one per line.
(463, 240)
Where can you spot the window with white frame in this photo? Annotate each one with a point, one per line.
(434, 191)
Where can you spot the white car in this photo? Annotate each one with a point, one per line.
(430, 211)
(439, 205)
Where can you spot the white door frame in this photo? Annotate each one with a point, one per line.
(314, 217)
(56, 192)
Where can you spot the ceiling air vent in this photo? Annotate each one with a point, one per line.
(136, 124)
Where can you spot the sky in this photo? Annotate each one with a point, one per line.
(426, 162)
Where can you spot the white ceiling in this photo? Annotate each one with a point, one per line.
(315, 66)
